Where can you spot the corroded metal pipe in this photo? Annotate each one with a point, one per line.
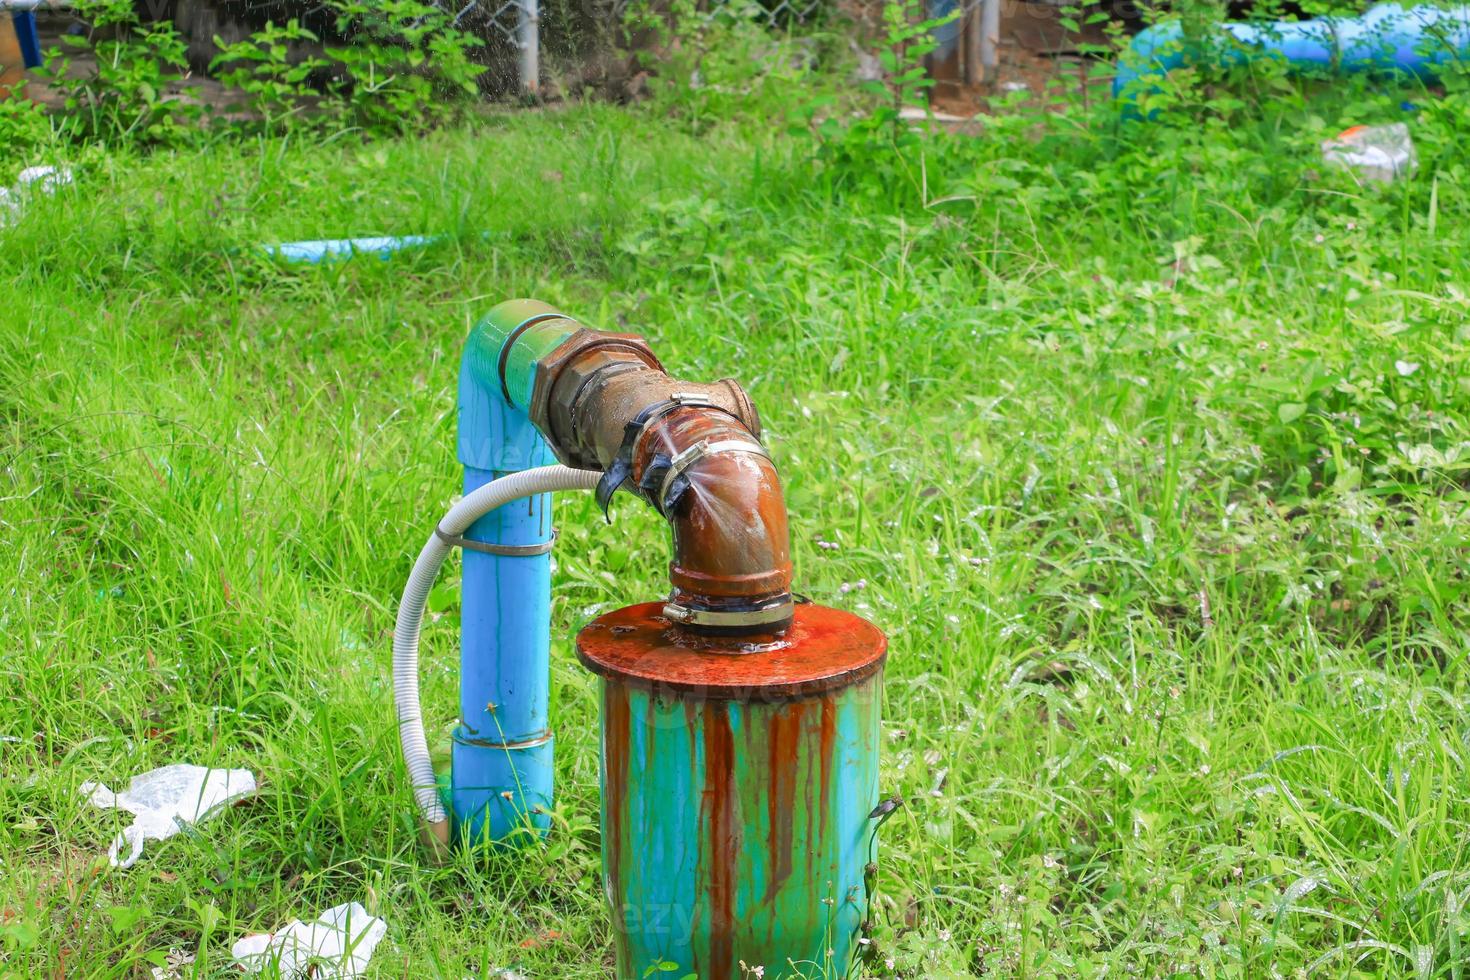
(603, 401)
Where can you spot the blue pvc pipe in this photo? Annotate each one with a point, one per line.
(946, 36)
(30, 41)
(1388, 38)
(345, 248)
(502, 751)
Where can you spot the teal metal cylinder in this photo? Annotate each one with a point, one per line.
(738, 782)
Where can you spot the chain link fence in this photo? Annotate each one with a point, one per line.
(519, 23)
(781, 14)
(514, 22)
(967, 42)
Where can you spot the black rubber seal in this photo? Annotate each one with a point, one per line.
(620, 470)
(510, 341)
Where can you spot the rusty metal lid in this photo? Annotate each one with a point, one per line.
(823, 649)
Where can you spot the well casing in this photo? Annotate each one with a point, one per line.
(738, 779)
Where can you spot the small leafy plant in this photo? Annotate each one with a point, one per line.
(871, 149)
(23, 125)
(125, 98)
(278, 82)
(406, 64)
(715, 65)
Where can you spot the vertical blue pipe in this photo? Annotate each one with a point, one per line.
(946, 34)
(30, 40)
(502, 752)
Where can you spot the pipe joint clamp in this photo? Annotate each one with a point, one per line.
(674, 482)
(501, 550)
(620, 469)
(734, 619)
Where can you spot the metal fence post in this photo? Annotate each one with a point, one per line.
(989, 38)
(528, 40)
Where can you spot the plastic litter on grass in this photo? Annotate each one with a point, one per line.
(30, 182)
(1378, 153)
(166, 800)
(176, 965)
(337, 946)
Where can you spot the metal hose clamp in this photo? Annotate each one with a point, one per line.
(778, 612)
(621, 467)
(501, 550)
(666, 495)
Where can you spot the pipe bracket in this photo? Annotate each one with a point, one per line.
(462, 738)
(501, 550)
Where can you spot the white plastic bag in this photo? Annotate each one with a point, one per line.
(42, 179)
(166, 800)
(1381, 153)
(337, 946)
(30, 181)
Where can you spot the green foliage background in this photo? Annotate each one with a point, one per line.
(1146, 444)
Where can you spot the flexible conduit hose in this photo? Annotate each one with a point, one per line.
(496, 493)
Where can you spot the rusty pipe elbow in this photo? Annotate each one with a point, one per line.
(693, 451)
(727, 512)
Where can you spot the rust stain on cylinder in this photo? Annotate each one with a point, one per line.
(828, 736)
(616, 733)
(783, 757)
(724, 836)
(727, 762)
(822, 650)
(650, 721)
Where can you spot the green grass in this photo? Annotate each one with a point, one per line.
(1146, 446)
